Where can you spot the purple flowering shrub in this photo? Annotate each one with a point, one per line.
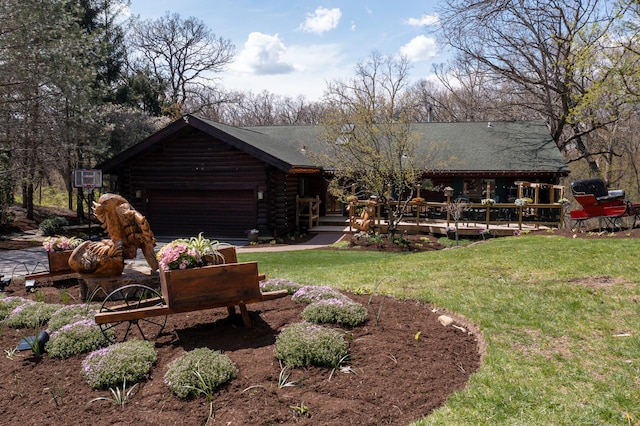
(274, 284)
(75, 338)
(187, 374)
(336, 311)
(8, 304)
(128, 361)
(304, 344)
(313, 293)
(69, 314)
(31, 314)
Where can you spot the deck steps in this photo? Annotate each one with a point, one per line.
(332, 224)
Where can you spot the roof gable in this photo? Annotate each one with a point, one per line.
(259, 145)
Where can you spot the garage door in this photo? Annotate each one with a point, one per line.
(218, 214)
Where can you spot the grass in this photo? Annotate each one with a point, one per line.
(560, 317)
(49, 196)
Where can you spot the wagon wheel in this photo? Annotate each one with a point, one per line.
(128, 298)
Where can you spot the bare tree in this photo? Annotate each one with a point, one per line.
(548, 52)
(262, 109)
(184, 53)
(369, 138)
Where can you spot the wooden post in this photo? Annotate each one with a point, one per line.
(352, 214)
(520, 218)
(488, 214)
(448, 192)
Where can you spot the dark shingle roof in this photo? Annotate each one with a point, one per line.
(518, 146)
(285, 149)
(501, 146)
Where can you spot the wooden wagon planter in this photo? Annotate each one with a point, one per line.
(142, 311)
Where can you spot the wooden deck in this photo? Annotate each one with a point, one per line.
(423, 218)
(341, 224)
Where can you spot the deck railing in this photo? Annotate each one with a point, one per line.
(498, 214)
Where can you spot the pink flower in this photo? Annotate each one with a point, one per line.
(52, 244)
(178, 255)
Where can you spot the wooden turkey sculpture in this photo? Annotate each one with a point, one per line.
(128, 231)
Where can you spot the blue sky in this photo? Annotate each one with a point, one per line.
(291, 48)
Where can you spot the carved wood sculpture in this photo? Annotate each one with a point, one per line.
(367, 216)
(128, 231)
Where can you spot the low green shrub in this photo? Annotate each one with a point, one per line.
(29, 314)
(128, 361)
(53, 225)
(8, 304)
(313, 293)
(199, 371)
(69, 314)
(274, 284)
(336, 311)
(75, 338)
(304, 344)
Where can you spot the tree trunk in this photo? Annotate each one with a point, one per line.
(80, 205)
(24, 195)
(594, 169)
(29, 201)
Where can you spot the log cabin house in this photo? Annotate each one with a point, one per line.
(196, 175)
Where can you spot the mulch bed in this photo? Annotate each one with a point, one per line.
(397, 378)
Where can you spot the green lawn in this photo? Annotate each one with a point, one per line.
(560, 316)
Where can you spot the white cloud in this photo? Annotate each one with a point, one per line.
(315, 66)
(424, 20)
(420, 48)
(321, 20)
(263, 54)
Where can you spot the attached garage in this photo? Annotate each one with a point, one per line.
(196, 176)
(217, 214)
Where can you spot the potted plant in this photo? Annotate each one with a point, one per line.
(183, 264)
(192, 253)
(488, 202)
(59, 250)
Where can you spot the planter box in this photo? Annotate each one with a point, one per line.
(211, 286)
(59, 261)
